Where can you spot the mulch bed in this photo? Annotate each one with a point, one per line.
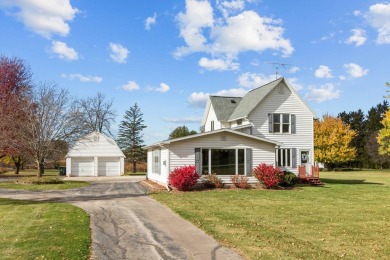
(152, 186)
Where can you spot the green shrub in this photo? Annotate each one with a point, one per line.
(289, 179)
(39, 181)
(212, 181)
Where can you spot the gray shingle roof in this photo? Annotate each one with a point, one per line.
(252, 99)
(224, 106)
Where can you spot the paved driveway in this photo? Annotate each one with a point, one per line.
(127, 224)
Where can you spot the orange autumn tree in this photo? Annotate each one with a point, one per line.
(332, 140)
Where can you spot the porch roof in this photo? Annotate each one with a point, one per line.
(169, 141)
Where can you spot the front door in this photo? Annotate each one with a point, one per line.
(305, 161)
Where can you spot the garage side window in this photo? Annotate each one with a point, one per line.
(156, 163)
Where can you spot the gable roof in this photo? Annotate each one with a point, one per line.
(224, 106)
(226, 130)
(252, 99)
(95, 144)
(255, 96)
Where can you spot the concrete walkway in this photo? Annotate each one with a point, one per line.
(127, 224)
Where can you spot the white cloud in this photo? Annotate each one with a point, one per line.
(150, 21)
(185, 120)
(255, 33)
(294, 83)
(357, 12)
(358, 37)
(83, 78)
(253, 80)
(378, 17)
(63, 51)
(218, 64)
(163, 88)
(323, 72)
(294, 69)
(118, 52)
(199, 99)
(323, 93)
(229, 35)
(43, 17)
(354, 70)
(131, 86)
(198, 15)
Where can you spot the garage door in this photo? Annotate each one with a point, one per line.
(109, 166)
(82, 167)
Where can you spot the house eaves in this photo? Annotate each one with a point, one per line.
(226, 130)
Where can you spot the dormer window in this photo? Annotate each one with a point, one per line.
(239, 122)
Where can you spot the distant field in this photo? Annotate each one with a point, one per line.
(347, 218)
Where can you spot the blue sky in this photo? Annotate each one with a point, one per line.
(168, 56)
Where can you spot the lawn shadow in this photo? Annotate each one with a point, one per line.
(352, 182)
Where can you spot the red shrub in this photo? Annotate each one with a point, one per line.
(183, 178)
(271, 177)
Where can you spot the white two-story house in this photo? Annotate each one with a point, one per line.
(270, 124)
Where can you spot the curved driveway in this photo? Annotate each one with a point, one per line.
(127, 224)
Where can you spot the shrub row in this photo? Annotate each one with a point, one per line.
(184, 178)
(36, 180)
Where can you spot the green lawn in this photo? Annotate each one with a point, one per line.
(62, 186)
(52, 173)
(347, 218)
(30, 172)
(36, 230)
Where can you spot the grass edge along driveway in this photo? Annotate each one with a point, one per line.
(43, 230)
(348, 218)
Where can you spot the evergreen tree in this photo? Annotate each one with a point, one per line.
(130, 135)
(357, 122)
(181, 131)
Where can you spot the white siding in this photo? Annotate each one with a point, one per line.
(164, 160)
(211, 116)
(285, 102)
(95, 144)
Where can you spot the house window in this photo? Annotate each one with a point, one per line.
(283, 157)
(212, 125)
(156, 162)
(280, 123)
(239, 122)
(223, 161)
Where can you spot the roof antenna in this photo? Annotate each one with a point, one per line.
(277, 65)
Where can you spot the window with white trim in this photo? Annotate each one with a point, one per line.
(156, 162)
(212, 125)
(283, 157)
(282, 123)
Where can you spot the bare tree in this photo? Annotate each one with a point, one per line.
(97, 114)
(52, 118)
(15, 91)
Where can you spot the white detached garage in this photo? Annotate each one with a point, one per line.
(95, 155)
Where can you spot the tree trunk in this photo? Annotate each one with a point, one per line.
(17, 166)
(17, 162)
(41, 168)
(134, 166)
